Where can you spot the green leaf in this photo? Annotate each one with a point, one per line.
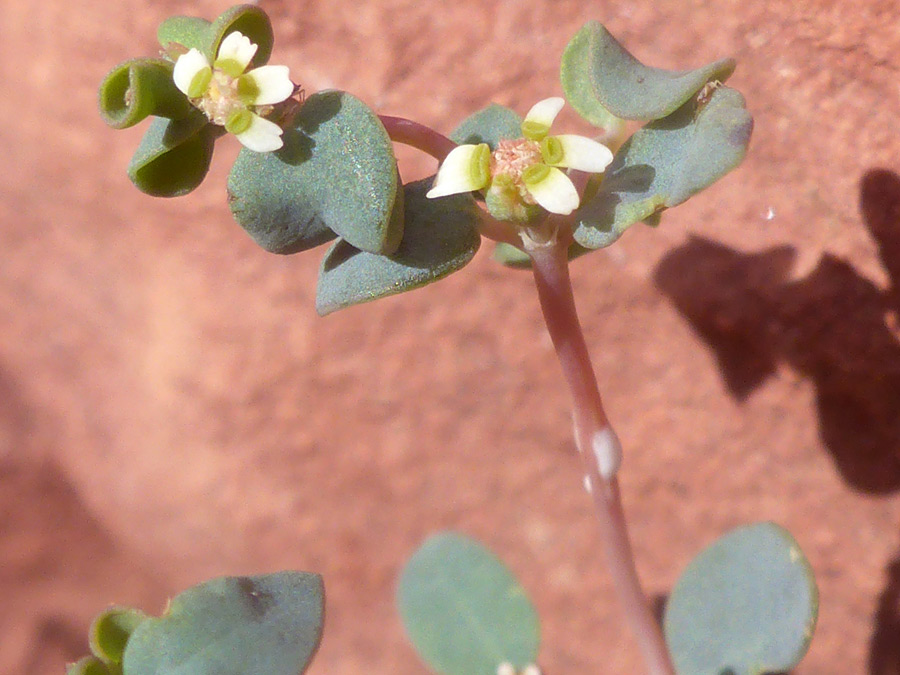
(575, 77)
(173, 157)
(595, 62)
(665, 163)
(488, 125)
(110, 631)
(89, 665)
(440, 237)
(746, 605)
(190, 32)
(335, 174)
(249, 20)
(136, 89)
(516, 258)
(263, 625)
(463, 609)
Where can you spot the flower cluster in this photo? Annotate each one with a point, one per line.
(233, 97)
(524, 172)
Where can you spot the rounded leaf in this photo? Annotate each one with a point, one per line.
(439, 238)
(595, 62)
(249, 20)
(463, 609)
(136, 89)
(335, 174)
(110, 631)
(267, 624)
(173, 157)
(488, 125)
(745, 605)
(665, 163)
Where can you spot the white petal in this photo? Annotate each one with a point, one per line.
(261, 136)
(555, 192)
(237, 47)
(544, 112)
(462, 170)
(583, 154)
(273, 84)
(186, 68)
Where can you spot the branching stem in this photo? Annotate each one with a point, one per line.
(598, 446)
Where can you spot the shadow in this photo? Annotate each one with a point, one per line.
(884, 647)
(833, 326)
(56, 642)
(301, 132)
(602, 203)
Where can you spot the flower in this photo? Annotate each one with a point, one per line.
(525, 171)
(231, 97)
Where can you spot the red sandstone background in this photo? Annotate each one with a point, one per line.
(171, 408)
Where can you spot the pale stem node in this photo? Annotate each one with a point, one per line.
(599, 447)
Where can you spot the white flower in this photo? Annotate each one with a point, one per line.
(507, 668)
(530, 167)
(231, 97)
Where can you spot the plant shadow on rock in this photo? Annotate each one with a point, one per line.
(835, 327)
(884, 648)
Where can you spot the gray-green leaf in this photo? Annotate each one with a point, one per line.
(463, 609)
(665, 163)
(746, 605)
(488, 125)
(263, 625)
(440, 237)
(575, 77)
(595, 62)
(174, 155)
(335, 174)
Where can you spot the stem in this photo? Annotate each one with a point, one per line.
(598, 446)
(418, 136)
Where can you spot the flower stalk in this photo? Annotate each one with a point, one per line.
(597, 444)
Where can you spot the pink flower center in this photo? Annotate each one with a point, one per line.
(510, 160)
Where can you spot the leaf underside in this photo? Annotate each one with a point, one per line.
(173, 157)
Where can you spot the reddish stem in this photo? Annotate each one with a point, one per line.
(418, 136)
(554, 287)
